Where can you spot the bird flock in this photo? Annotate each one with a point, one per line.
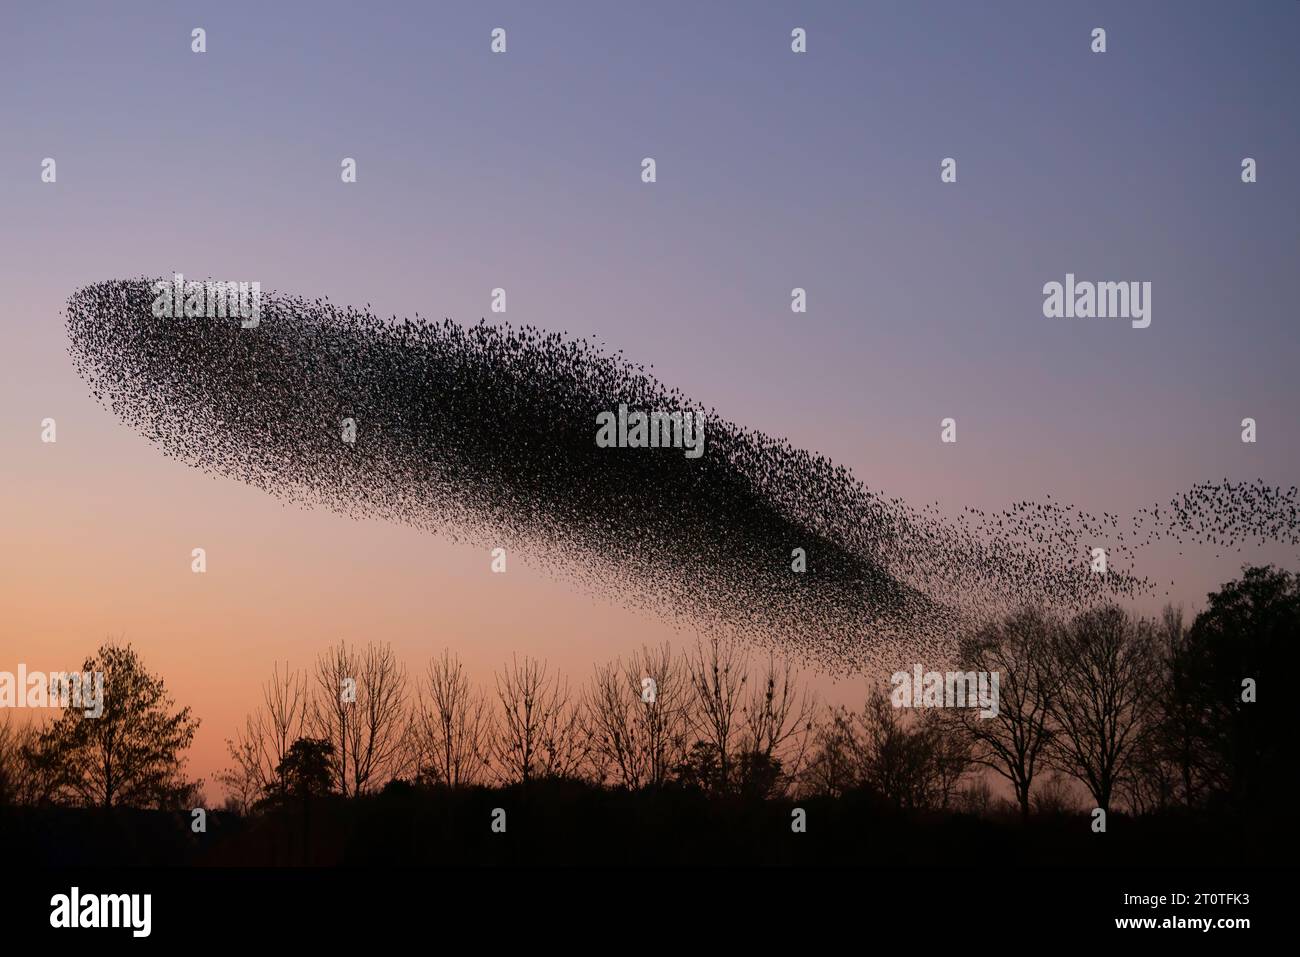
(485, 434)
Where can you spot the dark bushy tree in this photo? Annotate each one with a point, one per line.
(131, 754)
(1248, 632)
(307, 769)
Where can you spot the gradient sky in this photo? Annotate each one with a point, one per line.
(523, 171)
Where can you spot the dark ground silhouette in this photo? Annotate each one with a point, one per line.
(574, 823)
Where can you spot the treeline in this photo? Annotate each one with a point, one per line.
(1140, 715)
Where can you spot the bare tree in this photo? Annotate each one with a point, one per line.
(778, 720)
(833, 765)
(718, 673)
(541, 732)
(360, 710)
(894, 760)
(259, 748)
(244, 783)
(1055, 796)
(610, 703)
(976, 797)
(19, 782)
(949, 752)
(640, 717)
(452, 725)
(1104, 702)
(1014, 741)
(912, 762)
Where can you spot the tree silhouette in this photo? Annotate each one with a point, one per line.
(1013, 742)
(261, 745)
(1169, 763)
(541, 732)
(777, 727)
(896, 759)
(908, 761)
(307, 769)
(718, 672)
(1104, 703)
(832, 767)
(950, 753)
(1250, 630)
(639, 731)
(699, 769)
(18, 783)
(131, 754)
(452, 725)
(360, 709)
(757, 775)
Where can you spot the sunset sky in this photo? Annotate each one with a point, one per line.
(522, 171)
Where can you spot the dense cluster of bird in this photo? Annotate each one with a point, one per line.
(486, 434)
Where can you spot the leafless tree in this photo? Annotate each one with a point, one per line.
(1014, 742)
(894, 760)
(610, 702)
(719, 674)
(1104, 703)
(1170, 765)
(639, 714)
(259, 748)
(452, 725)
(245, 787)
(1055, 796)
(778, 719)
(913, 761)
(19, 781)
(540, 730)
(948, 752)
(360, 709)
(976, 797)
(834, 760)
